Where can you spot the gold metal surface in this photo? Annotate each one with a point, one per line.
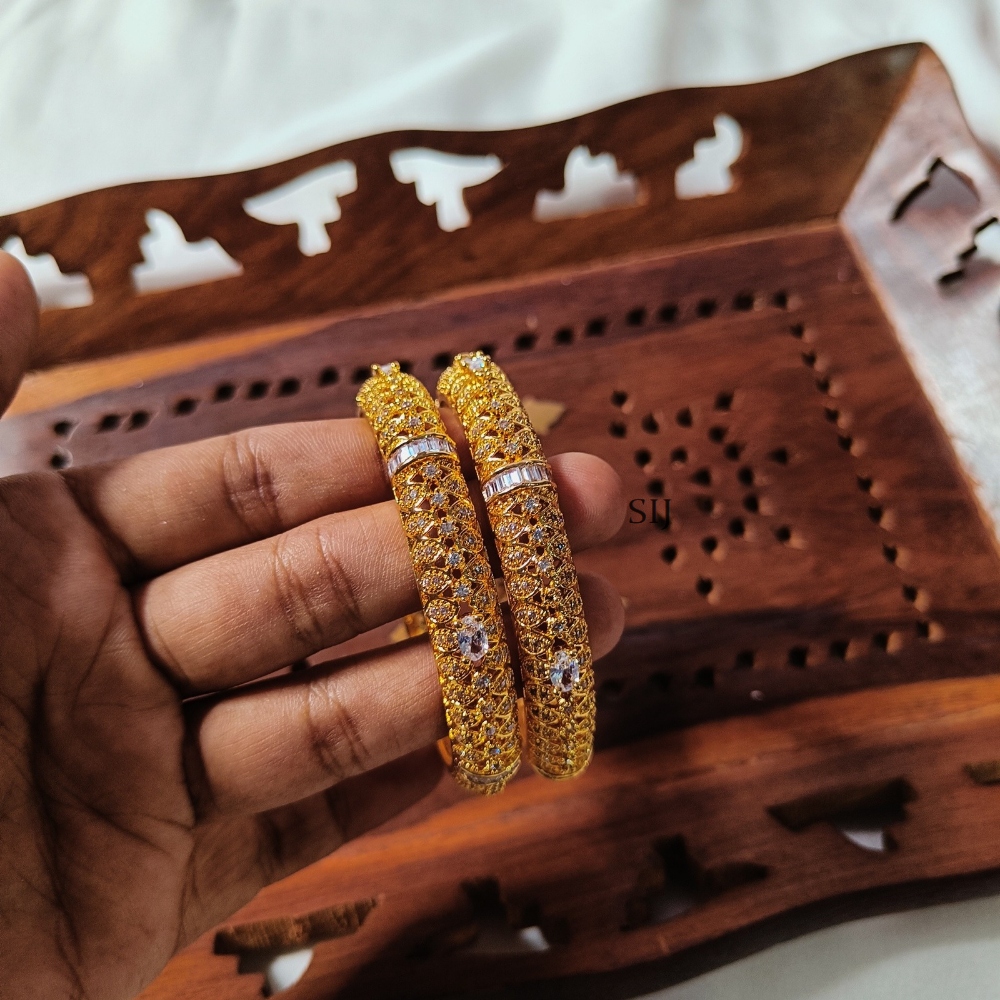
(541, 580)
(459, 597)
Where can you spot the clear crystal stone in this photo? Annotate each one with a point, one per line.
(437, 499)
(475, 364)
(448, 526)
(454, 559)
(386, 369)
(473, 643)
(565, 671)
(431, 468)
(462, 590)
(531, 505)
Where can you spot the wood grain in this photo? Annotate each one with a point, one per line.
(573, 857)
(388, 247)
(805, 598)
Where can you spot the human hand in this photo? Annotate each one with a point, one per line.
(133, 815)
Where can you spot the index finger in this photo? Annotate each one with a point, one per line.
(163, 509)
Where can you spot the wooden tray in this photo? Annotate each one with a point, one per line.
(801, 365)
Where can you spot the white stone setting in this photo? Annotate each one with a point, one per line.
(517, 475)
(565, 672)
(475, 363)
(473, 642)
(409, 451)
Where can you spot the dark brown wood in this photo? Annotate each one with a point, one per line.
(822, 585)
(758, 358)
(573, 859)
(289, 933)
(387, 246)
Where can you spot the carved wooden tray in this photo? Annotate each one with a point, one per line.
(801, 363)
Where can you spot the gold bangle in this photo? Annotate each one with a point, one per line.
(542, 586)
(456, 585)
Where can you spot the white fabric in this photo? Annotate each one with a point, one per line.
(99, 92)
(948, 952)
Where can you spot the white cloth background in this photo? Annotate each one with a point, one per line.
(98, 92)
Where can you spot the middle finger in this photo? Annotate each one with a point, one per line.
(241, 614)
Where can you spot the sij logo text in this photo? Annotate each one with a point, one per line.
(657, 512)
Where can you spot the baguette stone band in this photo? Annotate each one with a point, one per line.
(410, 451)
(518, 475)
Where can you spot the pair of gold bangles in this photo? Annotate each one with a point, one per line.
(460, 598)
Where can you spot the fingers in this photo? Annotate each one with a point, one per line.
(286, 739)
(294, 836)
(162, 509)
(602, 608)
(18, 325)
(591, 497)
(241, 614)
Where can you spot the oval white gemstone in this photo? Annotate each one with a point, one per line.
(473, 642)
(565, 671)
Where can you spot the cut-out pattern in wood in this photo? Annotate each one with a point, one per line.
(170, 261)
(677, 883)
(441, 178)
(862, 813)
(591, 184)
(708, 171)
(55, 289)
(309, 202)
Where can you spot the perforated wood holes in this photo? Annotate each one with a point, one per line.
(707, 485)
(674, 882)
(636, 316)
(490, 924)
(861, 813)
(837, 414)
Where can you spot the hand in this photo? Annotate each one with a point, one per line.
(133, 817)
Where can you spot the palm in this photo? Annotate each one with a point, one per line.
(101, 826)
(98, 825)
(93, 787)
(133, 815)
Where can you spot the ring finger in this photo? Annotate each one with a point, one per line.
(284, 739)
(240, 614)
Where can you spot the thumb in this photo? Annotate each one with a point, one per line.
(18, 325)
